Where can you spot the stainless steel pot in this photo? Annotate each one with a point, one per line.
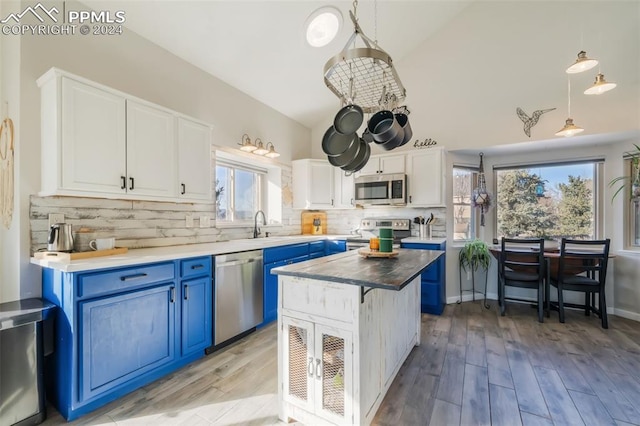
(60, 238)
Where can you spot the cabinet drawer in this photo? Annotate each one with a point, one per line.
(335, 246)
(99, 283)
(195, 267)
(285, 252)
(316, 246)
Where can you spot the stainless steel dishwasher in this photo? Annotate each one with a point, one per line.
(238, 294)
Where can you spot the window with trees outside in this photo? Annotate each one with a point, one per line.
(632, 203)
(548, 201)
(465, 179)
(239, 190)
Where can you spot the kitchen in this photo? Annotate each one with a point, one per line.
(135, 65)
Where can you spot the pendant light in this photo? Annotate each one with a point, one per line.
(583, 63)
(260, 150)
(569, 128)
(246, 144)
(272, 151)
(600, 86)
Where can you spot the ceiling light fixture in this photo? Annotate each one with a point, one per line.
(246, 144)
(583, 63)
(569, 128)
(322, 26)
(272, 151)
(600, 86)
(260, 150)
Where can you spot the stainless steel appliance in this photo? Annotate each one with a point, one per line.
(238, 295)
(381, 189)
(369, 227)
(60, 238)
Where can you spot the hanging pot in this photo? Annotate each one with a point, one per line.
(403, 120)
(360, 160)
(349, 119)
(348, 156)
(367, 136)
(335, 144)
(385, 129)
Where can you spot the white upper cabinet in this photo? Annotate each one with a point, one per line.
(98, 142)
(93, 155)
(312, 184)
(151, 151)
(383, 164)
(194, 160)
(425, 178)
(343, 185)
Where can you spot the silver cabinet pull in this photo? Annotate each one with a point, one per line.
(319, 368)
(310, 367)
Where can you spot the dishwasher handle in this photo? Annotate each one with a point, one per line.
(237, 262)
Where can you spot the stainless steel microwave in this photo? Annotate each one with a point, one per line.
(389, 190)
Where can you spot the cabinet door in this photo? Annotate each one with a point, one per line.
(343, 189)
(196, 315)
(271, 291)
(194, 160)
(425, 180)
(333, 378)
(151, 151)
(122, 337)
(93, 139)
(298, 362)
(392, 164)
(321, 179)
(371, 168)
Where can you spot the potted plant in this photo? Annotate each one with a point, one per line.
(634, 178)
(473, 256)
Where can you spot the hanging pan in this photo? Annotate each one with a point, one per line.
(360, 160)
(349, 119)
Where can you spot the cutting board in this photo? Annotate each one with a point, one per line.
(54, 255)
(307, 221)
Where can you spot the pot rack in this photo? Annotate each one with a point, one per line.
(366, 72)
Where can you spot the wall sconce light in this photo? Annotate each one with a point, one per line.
(258, 147)
(272, 151)
(246, 144)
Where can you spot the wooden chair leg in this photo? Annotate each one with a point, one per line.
(603, 310)
(501, 297)
(560, 304)
(540, 303)
(587, 307)
(547, 296)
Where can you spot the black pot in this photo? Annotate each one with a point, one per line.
(360, 160)
(385, 129)
(403, 120)
(335, 144)
(348, 156)
(366, 136)
(349, 119)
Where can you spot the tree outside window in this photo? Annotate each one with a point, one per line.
(464, 226)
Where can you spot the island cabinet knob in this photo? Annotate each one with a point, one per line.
(319, 368)
(310, 367)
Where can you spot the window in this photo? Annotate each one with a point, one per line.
(548, 200)
(239, 189)
(465, 180)
(632, 203)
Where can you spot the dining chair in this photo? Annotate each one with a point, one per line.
(521, 264)
(582, 267)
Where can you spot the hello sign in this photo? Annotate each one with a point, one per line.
(427, 143)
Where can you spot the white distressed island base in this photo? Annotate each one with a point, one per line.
(345, 326)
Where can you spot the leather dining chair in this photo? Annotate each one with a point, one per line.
(521, 264)
(582, 267)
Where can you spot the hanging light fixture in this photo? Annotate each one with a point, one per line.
(246, 144)
(569, 128)
(260, 149)
(583, 63)
(600, 86)
(272, 151)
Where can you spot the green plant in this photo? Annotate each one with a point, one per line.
(475, 255)
(633, 179)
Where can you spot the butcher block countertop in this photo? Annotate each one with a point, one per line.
(351, 268)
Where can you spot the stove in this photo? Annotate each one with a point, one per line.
(370, 227)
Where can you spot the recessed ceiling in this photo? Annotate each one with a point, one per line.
(259, 47)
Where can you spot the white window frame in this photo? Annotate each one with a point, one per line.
(260, 189)
(474, 220)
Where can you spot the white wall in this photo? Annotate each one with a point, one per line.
(133, 65)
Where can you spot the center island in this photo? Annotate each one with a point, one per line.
(345, 326)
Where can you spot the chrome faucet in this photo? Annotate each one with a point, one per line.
(256, 230)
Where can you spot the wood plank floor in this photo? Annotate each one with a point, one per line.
(472, 368)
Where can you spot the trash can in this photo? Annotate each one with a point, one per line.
(22, 350)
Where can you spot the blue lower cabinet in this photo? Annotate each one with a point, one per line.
(119, 329)
(196, 315)
(432, 280)
(335, 246)
(271, 291)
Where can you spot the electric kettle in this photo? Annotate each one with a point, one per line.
(60, 238)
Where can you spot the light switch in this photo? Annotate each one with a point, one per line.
(55, 218)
